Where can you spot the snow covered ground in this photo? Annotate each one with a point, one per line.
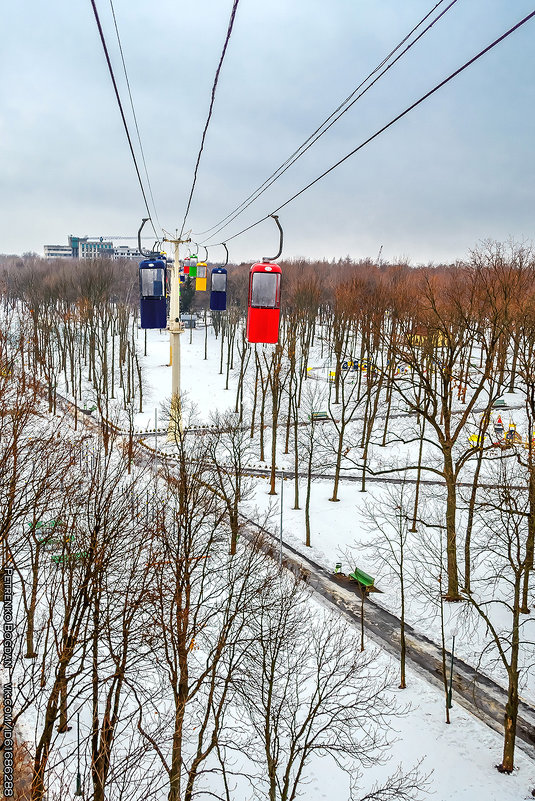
(461, 756)
(340, 531)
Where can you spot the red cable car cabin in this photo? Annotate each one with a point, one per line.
(263, 314)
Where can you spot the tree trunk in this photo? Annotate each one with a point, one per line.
(451, 533)
(307, 500)
(262, 423)
(62, 726)
(274, 421)
(418, 479)
(530, 542)
(43, 747)
(511, 707)
(296, 457)
(511, 712)
(205, 337)
(234, 527)
(403, 644)
(443, 649)
(255, 398)
(470, 521)
(337, 468)
(30, 649)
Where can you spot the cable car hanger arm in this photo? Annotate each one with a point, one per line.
(281, 238)
(143, 252)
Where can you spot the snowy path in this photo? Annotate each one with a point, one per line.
(474, 691)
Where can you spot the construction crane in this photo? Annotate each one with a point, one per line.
(101, 238)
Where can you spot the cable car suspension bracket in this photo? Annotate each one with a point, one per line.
(281, 233)
(146, 253)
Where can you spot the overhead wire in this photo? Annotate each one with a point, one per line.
(134, 113)
(410, 108)
(342, 108)
(118, 98)
(212, 99)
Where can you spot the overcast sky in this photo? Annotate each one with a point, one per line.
(458, 169)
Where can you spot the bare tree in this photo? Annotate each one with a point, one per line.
(313, 402)
(307, 690)
(201, 600)
(503, 539)
(229, 449)
(349, 401)
(387, 520)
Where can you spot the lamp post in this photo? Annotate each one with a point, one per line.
(450, 688)
(79, 791)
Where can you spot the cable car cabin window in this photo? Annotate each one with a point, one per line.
(152, 282)
(201, 270)
(219, 282)
(265, 290)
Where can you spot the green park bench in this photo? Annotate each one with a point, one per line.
(55, 541)
(499, 403)
(47, 530)
(46, 525)
(319, 416)
(59, 559)
(365, 581)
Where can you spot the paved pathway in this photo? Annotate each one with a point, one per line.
(477, 693)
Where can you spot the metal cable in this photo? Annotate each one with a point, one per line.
(388, 125)
(134, 113)
(110, 68)
(214, 87)
(346, 104)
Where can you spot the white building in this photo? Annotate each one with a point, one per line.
(58, 252)
(94, 248)
(125, 252)
(83, 247)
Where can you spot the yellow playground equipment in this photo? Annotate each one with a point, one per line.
(502, 438)
(512, 437)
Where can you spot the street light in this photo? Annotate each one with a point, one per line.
(79, 791)
(450, 688)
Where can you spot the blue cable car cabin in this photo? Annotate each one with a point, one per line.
(218, 289)
(152, 291)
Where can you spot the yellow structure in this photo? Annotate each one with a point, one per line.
(200, 280)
